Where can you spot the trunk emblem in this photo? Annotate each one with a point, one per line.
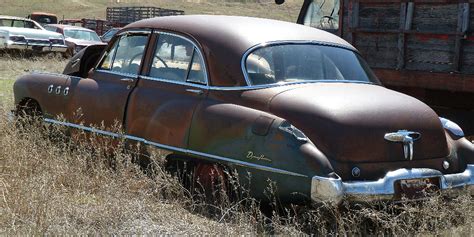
(407, 138)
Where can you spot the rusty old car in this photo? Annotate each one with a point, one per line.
(76, 37)
(276, 102)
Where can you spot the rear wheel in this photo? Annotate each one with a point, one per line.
(210, 180)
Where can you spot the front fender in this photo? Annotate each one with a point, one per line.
(36, 86)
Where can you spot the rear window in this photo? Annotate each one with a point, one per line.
(286, 63)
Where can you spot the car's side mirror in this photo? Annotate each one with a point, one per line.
(279, 2)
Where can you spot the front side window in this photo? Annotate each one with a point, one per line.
(126, 54)
(177, 59)
(287, 63)
(323, 14)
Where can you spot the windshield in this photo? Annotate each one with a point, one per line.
(287, 63)
(82, 34)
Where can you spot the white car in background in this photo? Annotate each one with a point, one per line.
(76, 37)
(25, 34)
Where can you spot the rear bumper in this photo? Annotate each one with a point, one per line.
(335, 190)
(37, 47)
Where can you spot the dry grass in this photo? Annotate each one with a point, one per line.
(54, 187)
(51, 185)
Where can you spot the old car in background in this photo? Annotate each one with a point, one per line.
(98, 25)
(274, 101)
(43, 18)
(76, 37)
(18, 33)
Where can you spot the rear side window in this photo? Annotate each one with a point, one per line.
(125, 56)
(177, 59)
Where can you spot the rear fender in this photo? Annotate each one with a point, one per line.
(251, 142)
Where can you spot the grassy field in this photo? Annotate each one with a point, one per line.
(96, 8)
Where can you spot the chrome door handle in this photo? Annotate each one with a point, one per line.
(195, 91)
(129, 80)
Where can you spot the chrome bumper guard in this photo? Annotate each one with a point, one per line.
(335, 190)
(44, 47)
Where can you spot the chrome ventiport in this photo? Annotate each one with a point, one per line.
(50, 89)
(58, 90)
(445, 165)
(66, 91)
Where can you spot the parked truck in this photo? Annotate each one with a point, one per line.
(122, 16)
(423, 48)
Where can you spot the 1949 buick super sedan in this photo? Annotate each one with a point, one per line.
(271, 100)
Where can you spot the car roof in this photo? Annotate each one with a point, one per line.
(225, 39)
(43, 13)
(14, 18)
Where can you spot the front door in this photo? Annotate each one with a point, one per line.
(100, 100)
(162, 106)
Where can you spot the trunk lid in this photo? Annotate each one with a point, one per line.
(349, 121)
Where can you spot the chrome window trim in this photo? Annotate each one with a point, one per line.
(196, 49)
(273, 43)
(176, 149)
(175, 82)
(124, 74)
(135, 31)
(256, 87)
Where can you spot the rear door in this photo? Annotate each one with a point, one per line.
(101, 99)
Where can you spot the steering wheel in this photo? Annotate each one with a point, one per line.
(162, 61)
(134, 57)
